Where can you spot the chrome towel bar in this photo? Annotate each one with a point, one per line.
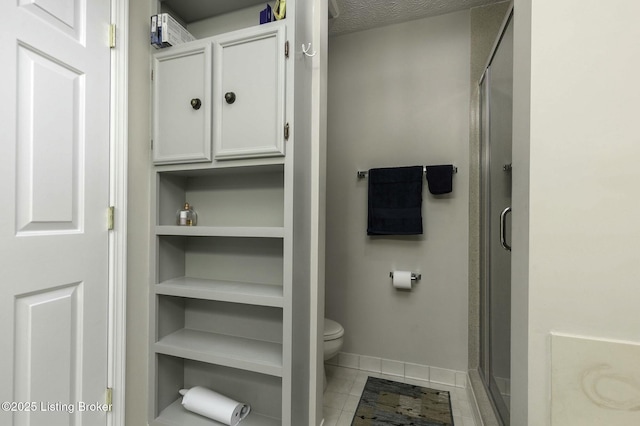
(363, 173)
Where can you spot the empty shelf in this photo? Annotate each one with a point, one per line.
(224, 291)
(231, 351)
(222, 231)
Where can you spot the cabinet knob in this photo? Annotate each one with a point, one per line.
(230, 97)
(196, 103)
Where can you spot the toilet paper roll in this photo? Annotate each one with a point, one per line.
(402, 280)
(213, 405)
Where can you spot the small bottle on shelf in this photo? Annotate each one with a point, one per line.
(187, 216)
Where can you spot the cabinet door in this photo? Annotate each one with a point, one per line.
(182, 105)
(249, 93)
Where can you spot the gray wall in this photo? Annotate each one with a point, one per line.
(398, 96)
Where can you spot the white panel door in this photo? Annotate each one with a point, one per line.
(54, 192)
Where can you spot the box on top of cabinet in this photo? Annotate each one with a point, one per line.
(166, 31)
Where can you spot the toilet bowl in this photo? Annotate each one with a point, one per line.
(333, 339)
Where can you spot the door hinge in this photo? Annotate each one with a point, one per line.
(286, 132)
(151, 75)
(108, 399)
(286, 49)
(112, 36)
(111, 218)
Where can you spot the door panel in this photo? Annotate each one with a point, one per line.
(47, 330)
(49, 125)
(182, 132)
(250, 123)
(64, 15)
(54, 187)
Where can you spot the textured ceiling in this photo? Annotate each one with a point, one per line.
(356, 15)
(352, 15)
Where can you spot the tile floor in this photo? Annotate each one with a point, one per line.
(345, 385)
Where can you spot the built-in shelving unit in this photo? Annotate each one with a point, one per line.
(219, 294)
(221, 291)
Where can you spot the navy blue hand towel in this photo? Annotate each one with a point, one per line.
(440, 179)
(395, 201)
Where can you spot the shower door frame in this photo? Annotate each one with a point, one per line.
(486, 349)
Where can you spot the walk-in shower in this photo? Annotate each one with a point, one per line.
(496, 94)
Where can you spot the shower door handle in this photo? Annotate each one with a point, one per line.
(503, 231)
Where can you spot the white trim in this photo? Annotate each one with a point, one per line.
(318, 207)
(408, 370)
(118, 197)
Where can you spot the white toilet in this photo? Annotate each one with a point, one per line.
(333, 339)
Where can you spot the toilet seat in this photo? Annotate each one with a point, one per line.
(332, 330)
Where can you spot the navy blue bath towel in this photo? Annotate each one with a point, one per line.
(395, 201)
(440, 179)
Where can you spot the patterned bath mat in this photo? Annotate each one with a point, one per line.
(385, 402)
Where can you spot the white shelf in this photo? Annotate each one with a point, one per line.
(224, 291)
(236, 167)
(176, 415)
(230, 351)
(222, 231)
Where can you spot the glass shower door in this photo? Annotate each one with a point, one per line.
(496, 110)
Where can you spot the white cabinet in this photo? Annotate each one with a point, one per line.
(249, 93)
(235, 102)
(224, 312)
(182, 104)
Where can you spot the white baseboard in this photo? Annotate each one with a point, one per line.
(401, 369)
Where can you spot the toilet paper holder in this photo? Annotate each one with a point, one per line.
(414, 276)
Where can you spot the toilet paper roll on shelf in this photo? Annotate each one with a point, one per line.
(213, 405)
(403, 279)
